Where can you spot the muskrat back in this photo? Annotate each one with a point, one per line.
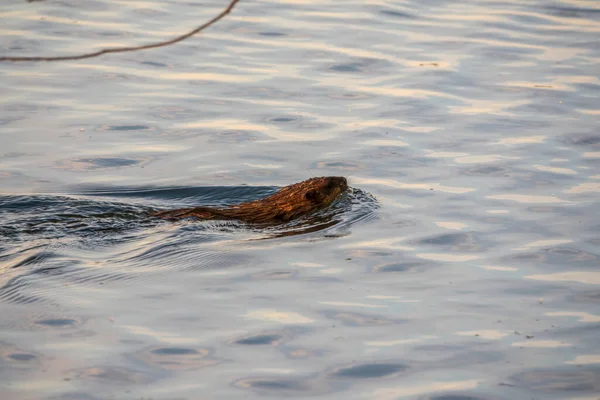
(287, 204)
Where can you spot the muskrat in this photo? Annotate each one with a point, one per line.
(287, 204)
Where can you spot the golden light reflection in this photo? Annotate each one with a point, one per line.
(589, 112)
(583, 316)
(389, 343)
(386, 142)
(589, 277)
(349, 304)
(421, 186)
(415, 390)
(543, 243)
(444, 154)
(522, 140)
(588, 187)
(483, 159)
(306, 265)
(555, 170)
(527, 198)
(447, 257)
(541, 343)
(331, 271)
(451, 225)
(585, 359)
(172, 337)
(385, 243)
(272, 315)
(499, 268)
(489, 334)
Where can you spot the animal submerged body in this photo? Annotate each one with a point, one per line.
(289, 203)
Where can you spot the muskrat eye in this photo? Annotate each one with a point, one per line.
(310, 195)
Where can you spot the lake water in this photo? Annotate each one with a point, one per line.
(464, 264)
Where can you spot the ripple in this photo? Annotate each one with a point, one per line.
(260, 340)
(58, 322)
(275, 385)
(100, 163)
(455, 396)
(113, 375)
(360, 319)
(583, 139)
(585, 379)
(369, 371)
(177, 358)
(401, 267)
(18, 358)
(125, 127)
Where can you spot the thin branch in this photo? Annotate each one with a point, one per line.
(124, 49)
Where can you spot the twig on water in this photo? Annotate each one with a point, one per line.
(133, 48)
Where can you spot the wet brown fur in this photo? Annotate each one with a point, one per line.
(289, 203)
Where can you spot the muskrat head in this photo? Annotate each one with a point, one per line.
(322, 191)
(297, 200)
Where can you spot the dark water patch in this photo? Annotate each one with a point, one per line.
(574, 12)
(571, 380)
(5, 121)
(284, 119)
(397, 14)
(402, 267)
(42, 216)
(456, 396)
(272, 34)
(176, 113)
(485, 170)
(74, 396)
(14, 359)
(260, 340)
(351, 67)
(359, 66)
(113, 375)
(561, 255)
(237, 136)
(348, 96)
(35, 259)
(274, 275)
(177, 358)
(126, 127)
(100, 163)
(587, 296)
(369, 254)
(22, 357)
(527, 258)
(282, 386)
(369, 371)
(59, 323)
(339, 165)
(361, 319)
(154, 64)
(473, 357)
(583, 139)
(174, 351)
(457, 242)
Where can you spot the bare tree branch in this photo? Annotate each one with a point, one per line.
(125, 49)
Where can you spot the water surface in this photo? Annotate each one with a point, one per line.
(463, 266)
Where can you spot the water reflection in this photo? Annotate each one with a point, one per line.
(469, 131)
